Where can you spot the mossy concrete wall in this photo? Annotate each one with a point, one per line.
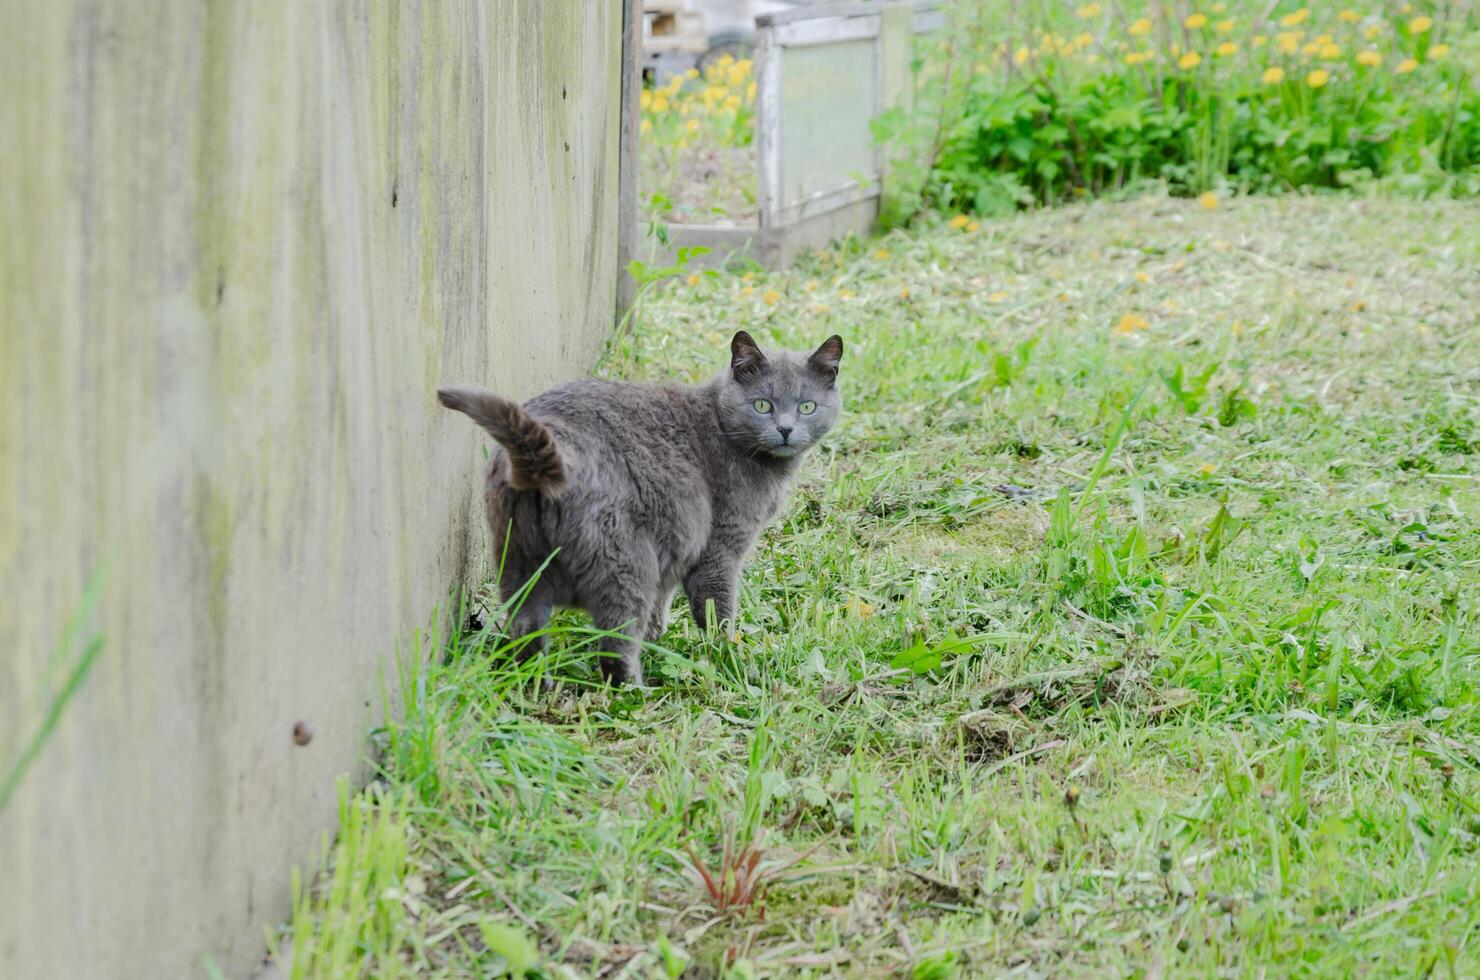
(241, 243)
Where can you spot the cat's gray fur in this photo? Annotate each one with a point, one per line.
(637, 489)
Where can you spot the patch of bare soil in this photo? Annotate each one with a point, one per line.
(708, 185)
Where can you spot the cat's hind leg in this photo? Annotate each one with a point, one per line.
(531, 617)
(622, 603)
(621, 662)
(658, 619)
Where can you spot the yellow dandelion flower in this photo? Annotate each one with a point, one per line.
(732, 103)
(1130, 323)
(1329, 51)
(1227, 49)
(996, 297)
(660, 105)
(693, 279)
(750, 92)
(1136, 57)
(1438, 52)
(692, 125)
(1225, 26)
(1420, 25)
(1349, 16)
(1021, 55)
(1260, 40)
(882, 254)
(859, 608)
(1369, 58)
(1237, 328)
(1084, 40)
(1318, 78)
(645, 99)
(809, 286)
(1295, 17)
(1324, 39)
(1143, 277)
(904, 292)
(1273, 76)
(747, 291)
(646, 127)
(1218, 8)
(1371, 31)
(1288, 41)
(1208, 200)
(748, 277)
(959, 221)
(691, 74)
(846, 294)
(1406, 65)
(819, 307)
(1194, 21)
(1088, 10)
(1140, 27)
(1407, 8)
(1207, 469)
(771, 297)
(1189, 61)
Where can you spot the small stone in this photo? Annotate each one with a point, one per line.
(302, 733)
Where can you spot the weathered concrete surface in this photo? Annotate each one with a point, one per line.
(241, 242)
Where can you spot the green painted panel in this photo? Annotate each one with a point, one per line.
(827, 100)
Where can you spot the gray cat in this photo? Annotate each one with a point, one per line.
(637, 489)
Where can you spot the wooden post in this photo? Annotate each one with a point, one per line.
(767, 54)
(629, 232)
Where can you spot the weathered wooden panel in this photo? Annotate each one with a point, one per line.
(241, 242)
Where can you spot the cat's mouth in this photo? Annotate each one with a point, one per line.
(785, 450)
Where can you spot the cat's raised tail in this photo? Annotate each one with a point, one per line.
(534, 459)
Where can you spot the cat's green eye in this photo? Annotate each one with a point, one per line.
(762, 406)
(807, 408)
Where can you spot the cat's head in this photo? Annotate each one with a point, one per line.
(779, 404)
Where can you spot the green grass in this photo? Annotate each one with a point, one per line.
(1045, 103)
(1195, 692)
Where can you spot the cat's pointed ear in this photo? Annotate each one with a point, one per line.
(746, 359)
(825, 359)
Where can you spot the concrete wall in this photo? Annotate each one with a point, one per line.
(241, 242)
